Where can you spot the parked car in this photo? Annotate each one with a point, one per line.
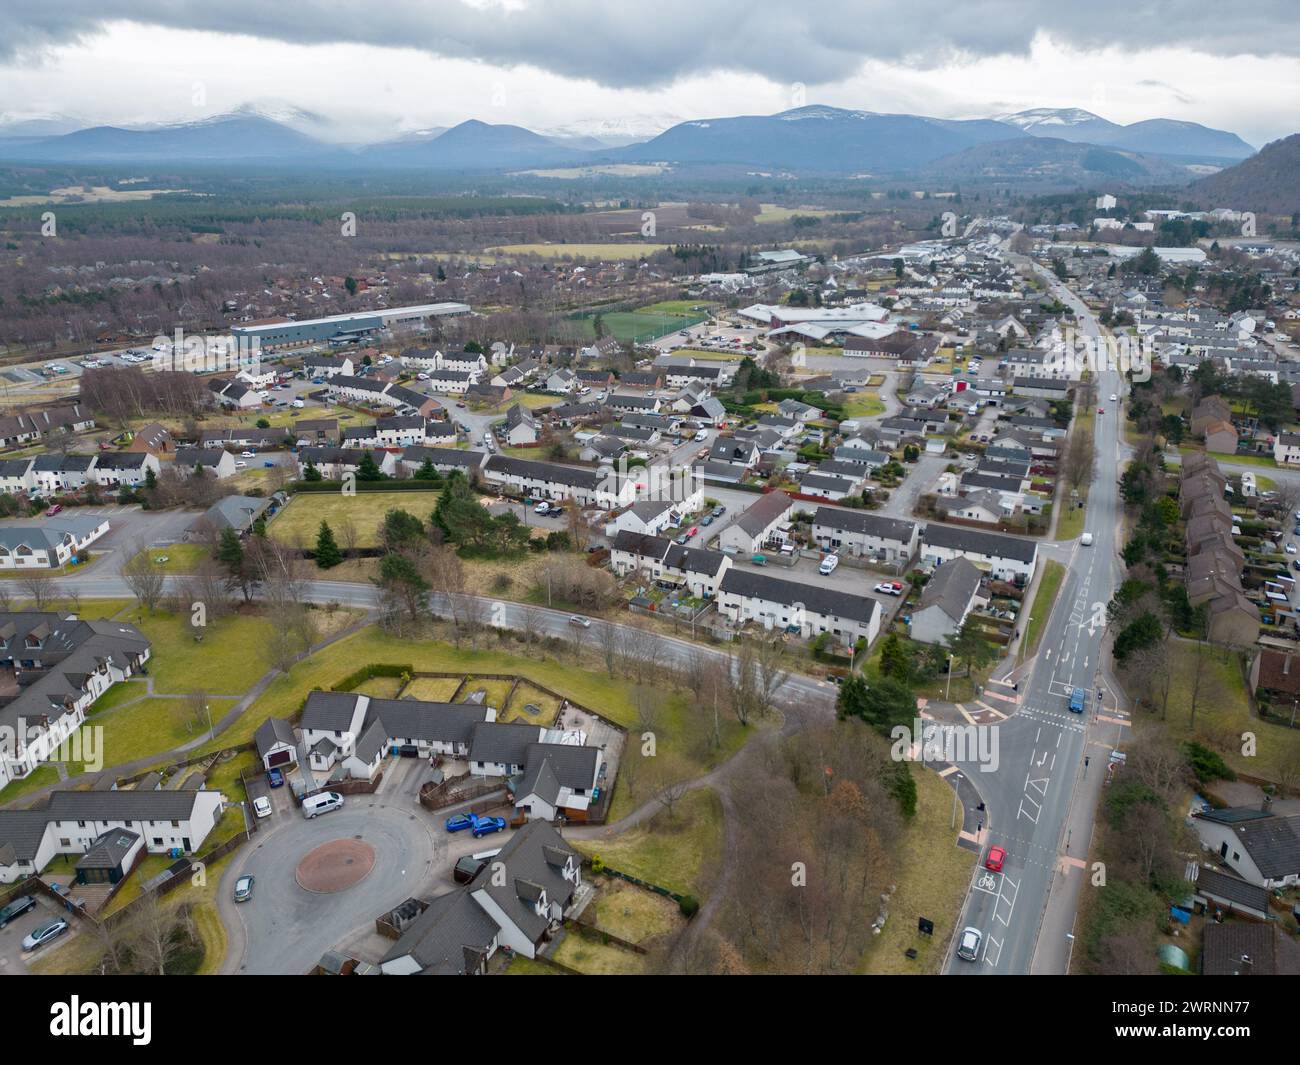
(275, 778)
(890, 587)
(55, 509)
(42, 934)
(719, 510)
(996, 857)
(485, 826)
(694, 530)
(460, 822)
(542, 508)
(17, 908)
(707, 519)
(968, 946)
(681, 539)
(243, 889)
(828, 565)
(467, 869)
(262, 806)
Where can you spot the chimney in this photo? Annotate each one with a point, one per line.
(1246, 966)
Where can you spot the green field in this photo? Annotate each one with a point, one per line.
(630, 326)
(581, 251)
(301, 519)
(681, 308)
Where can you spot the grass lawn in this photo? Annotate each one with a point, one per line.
(770, 212)
(673, 853)
(863, 405)
(496, 692)
(381, 687)
(680, 308)
(521, 966)
(227, 661)
(528, 694)
(1041, 608)
(612, 697)
(932, 876)
(1069, 525)
(593, 958)
(432, 689)
(1236, 459)
(42, 776)
(580, 251)
(1223, 712)
(153, 726)
(181, 558)
(62, 571)
(300, 519)
(634, 913)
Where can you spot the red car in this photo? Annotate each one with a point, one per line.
(1101, 410)
(55, 509)
(694, 530)
(995, 859)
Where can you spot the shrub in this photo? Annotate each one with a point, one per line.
(689, 906)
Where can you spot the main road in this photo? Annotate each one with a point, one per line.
(1040, 800)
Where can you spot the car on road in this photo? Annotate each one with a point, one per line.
(968, 946)
(718, 511)
(485, 826)
(241, 465)
(42, 934)
(17, 908)
(1101, 410)
(681, 539)
(890, 587)
(702, 434)
(243, 889)
(580, 621)
(1114, 398)
(996, 857)
(707, 519)
(694, 530)
(460, 822)
(1076, 701)
(248, 454)
(1290, 548)
(262, 806)
(275, 778)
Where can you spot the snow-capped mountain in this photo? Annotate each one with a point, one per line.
(1155, 136)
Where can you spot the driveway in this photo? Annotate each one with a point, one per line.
(13, 959)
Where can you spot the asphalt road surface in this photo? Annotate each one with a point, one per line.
(1043, 745)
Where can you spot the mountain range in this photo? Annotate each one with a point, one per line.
(807, 139)
(1266, 182)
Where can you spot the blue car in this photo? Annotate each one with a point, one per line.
(275, 778)
(484, 826)
(460, 822)
(1076, 701)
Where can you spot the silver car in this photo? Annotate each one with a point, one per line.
(968, 946)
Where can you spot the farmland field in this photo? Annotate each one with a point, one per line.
(301, 519)
(581, 251)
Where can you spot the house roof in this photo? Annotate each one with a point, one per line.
(815, 597)
(1214, 884)
(983, 543)
(1248, 948)
(763, 512)
(503, 742)
(273, 731)
(951, 588)
(865, 523)
(552, 766)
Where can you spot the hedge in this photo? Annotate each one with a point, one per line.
(406, 485)
(365, 673)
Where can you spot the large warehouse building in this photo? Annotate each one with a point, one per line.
(287, 332)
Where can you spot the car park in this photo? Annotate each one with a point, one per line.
(42, 934)
(969, 943)
(244, 888)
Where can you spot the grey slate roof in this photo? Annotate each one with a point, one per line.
(864, 522)
(985, 543)
(815, 597)
(507, 743)
(951, 588)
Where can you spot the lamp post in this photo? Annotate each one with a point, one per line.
(947, 688)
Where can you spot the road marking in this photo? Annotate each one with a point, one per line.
(989, 709)
(1113, 720)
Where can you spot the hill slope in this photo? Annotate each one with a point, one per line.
(1268, 183)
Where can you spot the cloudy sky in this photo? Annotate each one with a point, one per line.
(366, 71)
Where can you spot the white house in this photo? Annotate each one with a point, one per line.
(791, 606)
(1008, 558)
(862, 533)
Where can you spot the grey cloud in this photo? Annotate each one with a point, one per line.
(625, 45)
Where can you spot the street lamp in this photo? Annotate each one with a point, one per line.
(947, 688)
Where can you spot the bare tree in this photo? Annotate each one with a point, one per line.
(145, 577)
(158, 933)
(38, 588)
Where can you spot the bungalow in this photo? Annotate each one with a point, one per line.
(1247, 948)
(561, 780)
(232, 393)
(791, 606)
(34, 425)
(1260, 847)
(52, 543)
(234, 512)
(76, 823)
(861, 533)
(829, 486)
(518, 901)
(623, 403)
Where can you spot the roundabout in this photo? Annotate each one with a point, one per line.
(335, 866)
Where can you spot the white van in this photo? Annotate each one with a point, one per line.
(1086, 539)
(321, 804)
(828, 565)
